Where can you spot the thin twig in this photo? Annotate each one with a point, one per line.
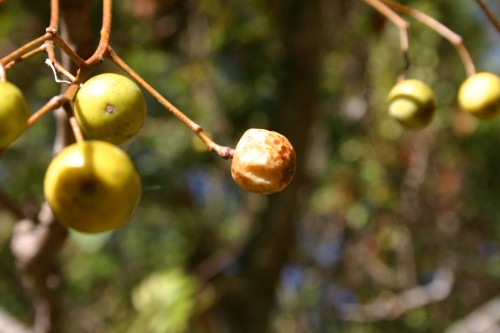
(26, 55)
(493, 20)
(400, 23)
(55, 63)
(51, 105)
(224, 152)
(76, 130)
(68, 50)
(455, 39)
(54, 15)
(102, 48)
(25, 48)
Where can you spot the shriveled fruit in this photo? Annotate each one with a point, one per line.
(412, 103)
(92, 187)
(479, 95)
(110, 107)
(263, 161)
(14, 113)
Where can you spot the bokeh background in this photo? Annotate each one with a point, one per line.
(382, 229)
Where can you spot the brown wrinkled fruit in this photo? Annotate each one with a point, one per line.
(263, 161)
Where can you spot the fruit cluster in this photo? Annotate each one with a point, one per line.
(412, 102)
(93, 186)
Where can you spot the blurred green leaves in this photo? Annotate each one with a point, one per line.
(165, 302)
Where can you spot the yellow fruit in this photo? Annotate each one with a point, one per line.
(14, 113)
(412, 103)
(110, 107)
(479, 95)
(92, 187)
(263, 161)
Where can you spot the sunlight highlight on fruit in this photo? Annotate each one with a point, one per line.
(479, 95)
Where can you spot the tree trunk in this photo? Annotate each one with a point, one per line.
(249, 296)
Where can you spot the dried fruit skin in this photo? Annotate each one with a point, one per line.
(110, 107)
(412, 103)
(479, 95)
(92, 187)
(263, 161)
(14, 113)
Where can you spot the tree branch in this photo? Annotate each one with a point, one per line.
(9, 324)
(485, 319)
(393, 306)
(493, 20)
(400, 23)
(441, 29)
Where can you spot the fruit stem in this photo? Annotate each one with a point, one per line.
(3, 75)
(224, 152)
(77, 132)
(52, 104)
(102, 48)
(489, 14)
(400, 23)
(441, 29)
(54, 14)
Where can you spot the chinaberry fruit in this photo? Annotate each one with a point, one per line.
(412, 103)
(14, 113)
(479, 95)
(110, 107)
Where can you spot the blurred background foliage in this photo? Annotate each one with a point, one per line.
(382, 211)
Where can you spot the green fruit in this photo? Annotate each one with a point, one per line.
(14, 113)
(479, 95)
(92, 187)
(110, 107)
(263, 161)
(412, 103)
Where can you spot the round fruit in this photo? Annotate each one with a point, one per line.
(110, 107)
(92, 187)
(14, 113)
(263, 161)
(479, 95)
(412, 103)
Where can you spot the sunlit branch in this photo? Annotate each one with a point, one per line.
(54, 15)
(25, 48)
(452, 37)
(55, 63)
(77, 132)
(51, 105)
(68, 51)
(224, 152)
(27, 55)
(102, 48)
(400, 23)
